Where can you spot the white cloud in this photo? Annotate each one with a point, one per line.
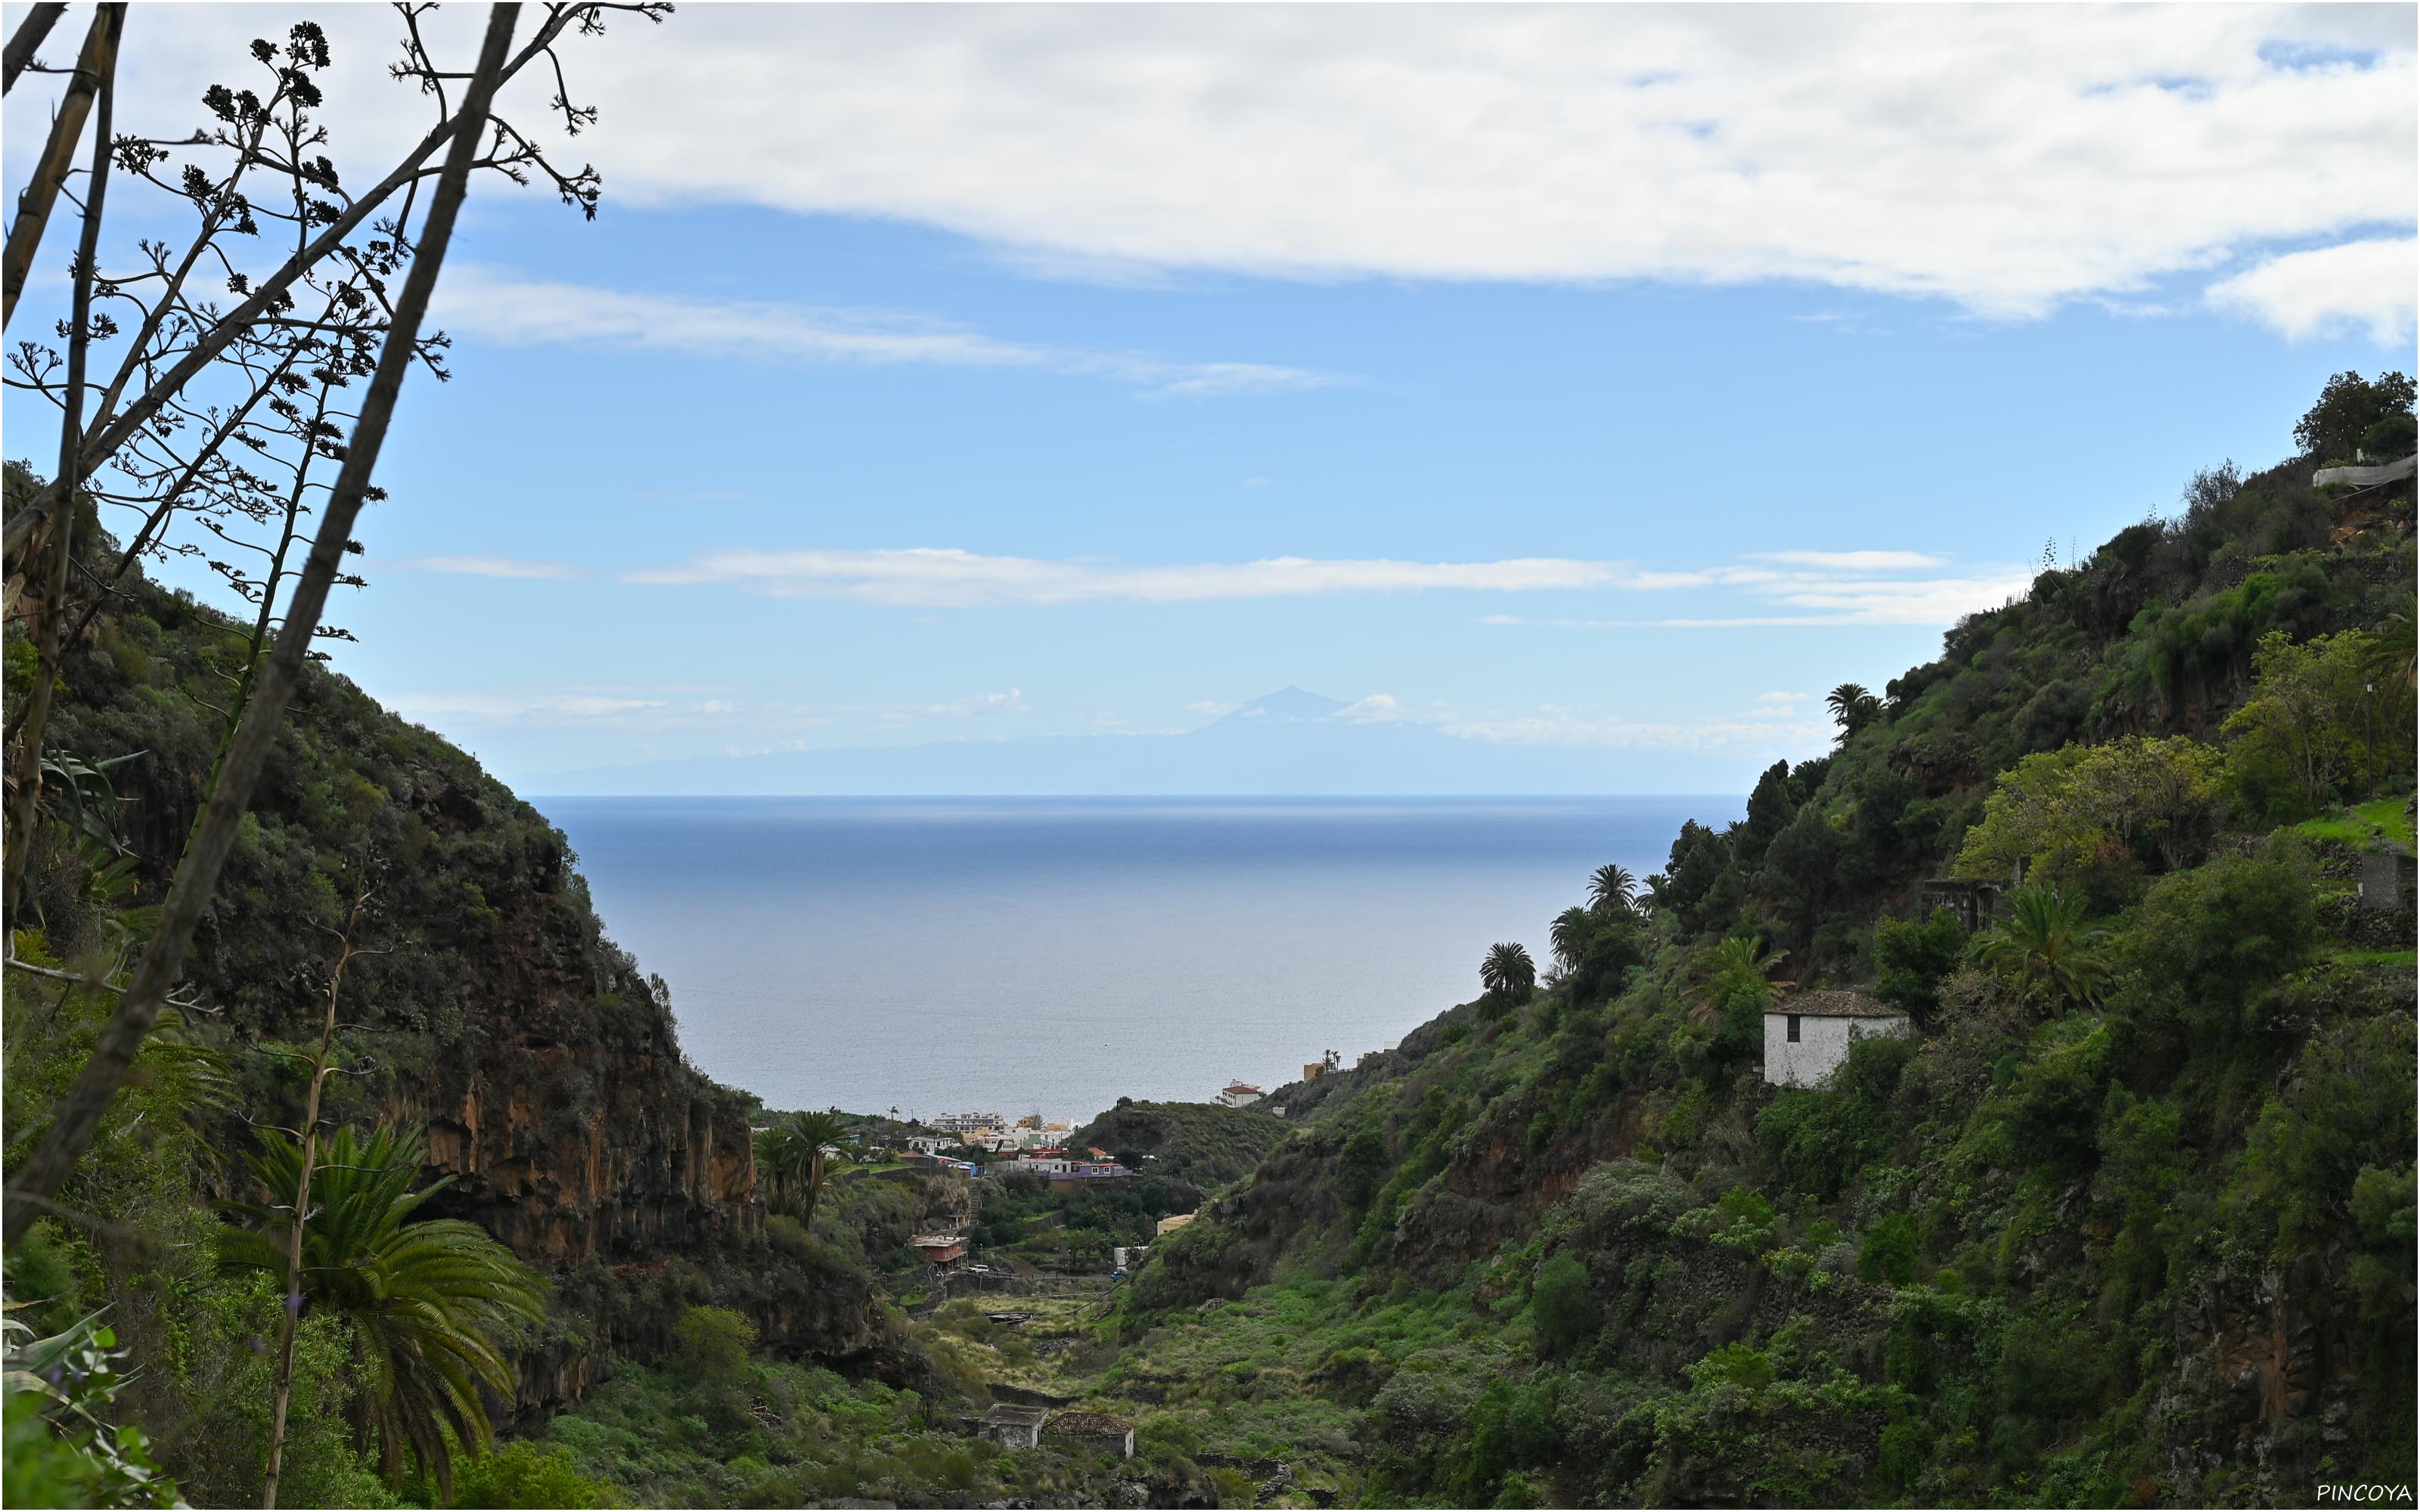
(2355, 286)
(2004, 156)
(529, 708)
(1563, 727)
(1378, 708)
(507, 309)
(947, 577)
(1853, 560)
(665, 709)
(475, 566)
(1854, 595)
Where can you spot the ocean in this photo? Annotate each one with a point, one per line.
(1017, 955)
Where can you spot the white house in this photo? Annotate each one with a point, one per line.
(1806, 1035)
(1240, 1094)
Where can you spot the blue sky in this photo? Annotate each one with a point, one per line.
(1028, 373)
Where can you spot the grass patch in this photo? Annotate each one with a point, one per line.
(2363, 824)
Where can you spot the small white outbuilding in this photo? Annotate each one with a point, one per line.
(1806, 1035)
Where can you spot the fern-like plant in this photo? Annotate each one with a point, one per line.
(435, 1304)
(2046, 950)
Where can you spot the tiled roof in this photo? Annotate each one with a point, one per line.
(1100, 1423)
(1836, 1003)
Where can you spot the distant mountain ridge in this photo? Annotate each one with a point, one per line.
(1289, 742)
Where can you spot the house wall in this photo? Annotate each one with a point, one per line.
(1822, 1044)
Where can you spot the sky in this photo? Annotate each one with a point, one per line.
(1613, 380)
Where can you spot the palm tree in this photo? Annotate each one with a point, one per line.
(1574, 930)
(1852, 706)
(1611, 889)
(2054, 958)
(1508, 972)
(433, 1303)
(2391, 658)
(1736, 965)
(791, 1155)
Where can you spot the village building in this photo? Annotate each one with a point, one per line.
(1806, 1035)
(967, 1123)
(1171, 1224)
(940, 1249)
(1012, 1425)
(1240, 1095)
(1082, 1175)
(1093, 1431)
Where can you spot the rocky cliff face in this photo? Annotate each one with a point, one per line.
(492, 1009)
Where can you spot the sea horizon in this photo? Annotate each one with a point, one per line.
(1026, 953)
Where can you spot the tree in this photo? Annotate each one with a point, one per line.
(2082, 813)
(792, 1156)
(2315, 715)
(2052, 958)
(1507, 974)
(1852, 707)
(2348, 407)
(1913, 956)
(1736, 968)
(1562, 1304)
(1570, 934)
(434, 1304)
(713, 1343)
(1611, 890)
(2391, 659)
(159, 390)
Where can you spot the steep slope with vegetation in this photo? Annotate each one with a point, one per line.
(2128, 1219)
(1205, 1145)
(482, 1012)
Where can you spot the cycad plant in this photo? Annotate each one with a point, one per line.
(790, 1157)
(434, 1303)
(2044, 947)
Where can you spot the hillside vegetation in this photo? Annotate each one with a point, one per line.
(1205, 1145)
(2127, 1220)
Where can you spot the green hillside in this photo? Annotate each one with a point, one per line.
(2127, 1220)
(1203, 1144)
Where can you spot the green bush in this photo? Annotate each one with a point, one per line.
(713, 1342)
(1887, 1255)
(1912, 957)
(525, 1474)
(1563, 1304)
